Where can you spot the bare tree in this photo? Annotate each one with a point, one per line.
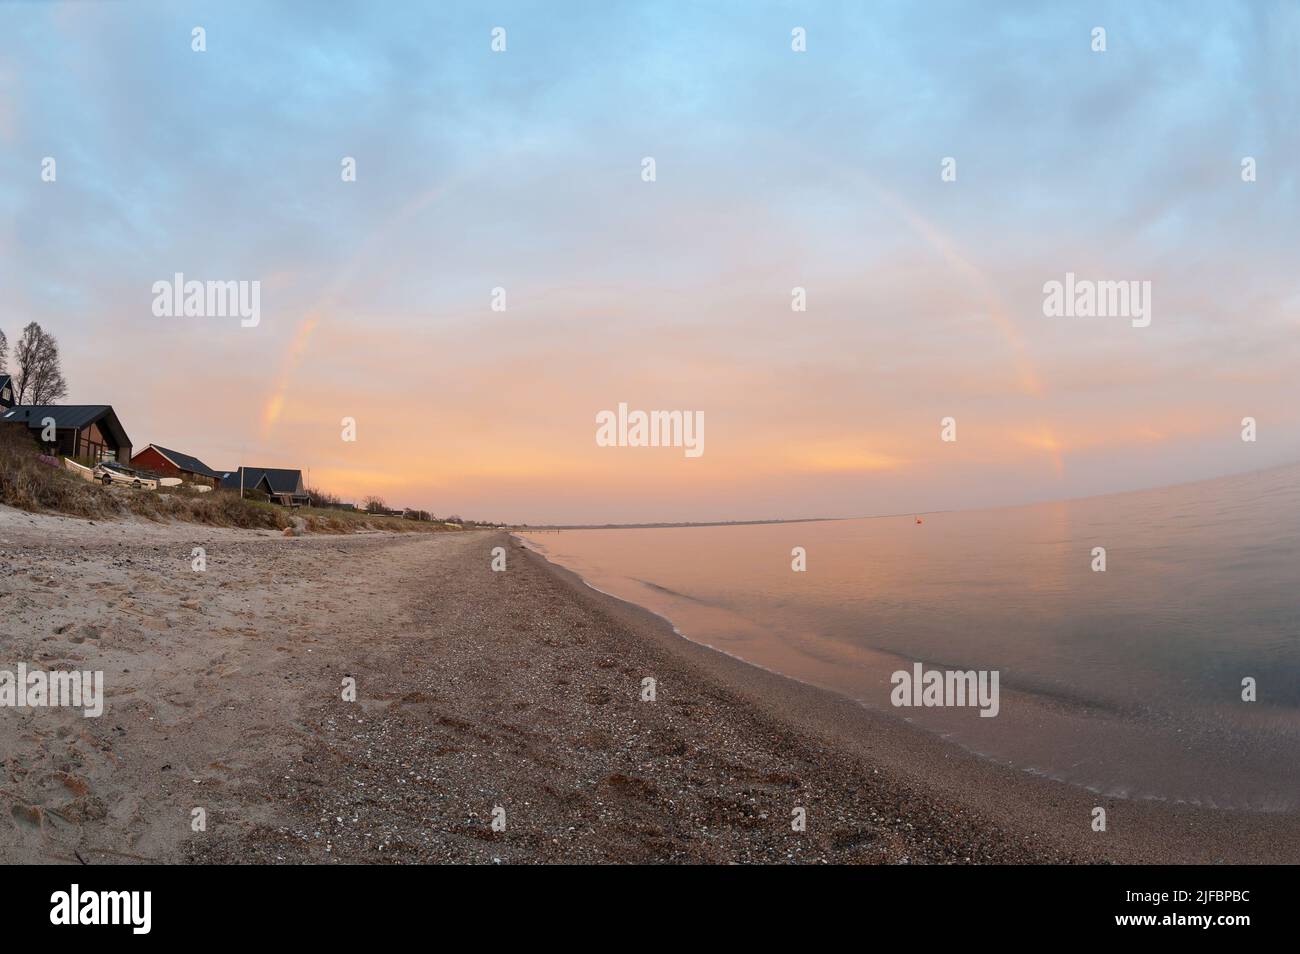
(374, 504)
(323, 498)
(39, 379)
(4, 350)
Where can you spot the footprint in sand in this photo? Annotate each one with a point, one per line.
(28, 817)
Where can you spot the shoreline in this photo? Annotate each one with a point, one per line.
(475, 691)
(1158, 831)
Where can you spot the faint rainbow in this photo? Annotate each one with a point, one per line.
(1029, 379)
(307, 325)
(1030, 383)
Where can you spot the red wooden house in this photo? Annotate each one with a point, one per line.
(170, 463)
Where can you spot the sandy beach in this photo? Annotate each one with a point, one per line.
(475, 691)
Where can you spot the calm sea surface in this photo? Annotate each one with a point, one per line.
(1128, 682)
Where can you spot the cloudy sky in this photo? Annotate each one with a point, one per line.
(775, 169)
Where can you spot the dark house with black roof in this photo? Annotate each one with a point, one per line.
(81, 431)
(280, 486)
(169, 463)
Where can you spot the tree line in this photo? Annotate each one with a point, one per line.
(37, 377)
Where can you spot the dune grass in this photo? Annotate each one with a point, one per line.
(32, 483)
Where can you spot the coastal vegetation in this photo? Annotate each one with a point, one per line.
(35, 482)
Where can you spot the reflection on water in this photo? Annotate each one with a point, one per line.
(1127, 681)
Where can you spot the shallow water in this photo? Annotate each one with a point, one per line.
(1128, 681)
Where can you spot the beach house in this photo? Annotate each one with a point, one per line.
(280, 485)
(169, 463)
(85, 432)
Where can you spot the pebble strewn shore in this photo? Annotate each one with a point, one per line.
(510, 697)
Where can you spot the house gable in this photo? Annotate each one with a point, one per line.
(81, 428)
(183, 463)
(272, 481)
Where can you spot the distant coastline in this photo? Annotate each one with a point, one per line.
(901, 513)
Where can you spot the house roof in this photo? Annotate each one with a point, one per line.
(279, 480)
(69, 415)
(185, 462)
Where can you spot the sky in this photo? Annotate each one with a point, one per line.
(774, 169)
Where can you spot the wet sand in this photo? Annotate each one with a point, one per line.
(476, 690)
